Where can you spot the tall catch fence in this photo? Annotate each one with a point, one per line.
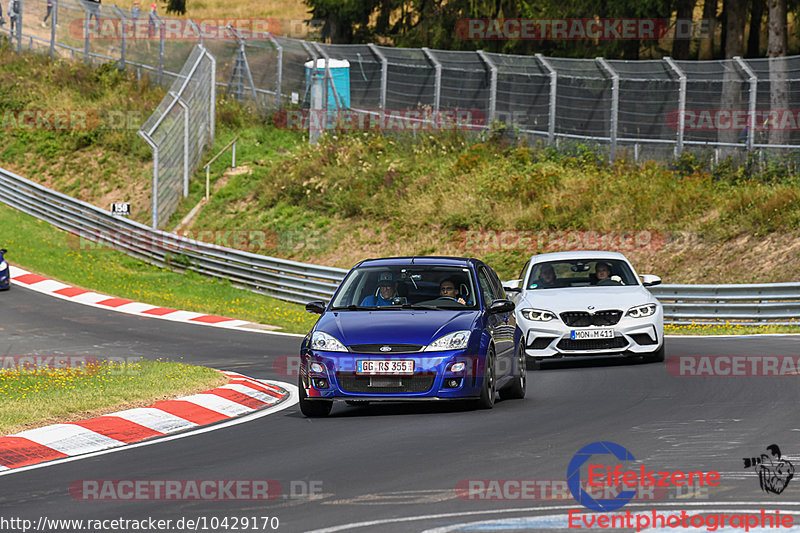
(178, 130)
(654, 109)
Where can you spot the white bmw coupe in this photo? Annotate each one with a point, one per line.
(587, 303)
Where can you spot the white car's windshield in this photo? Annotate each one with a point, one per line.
(407, 287)
(580, 273)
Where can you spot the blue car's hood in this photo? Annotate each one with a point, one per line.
(395, 326)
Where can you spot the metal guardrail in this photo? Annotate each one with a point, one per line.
(758, 304)
(773, 303)
(288, 280)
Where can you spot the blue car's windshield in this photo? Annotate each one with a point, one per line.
(407, 287)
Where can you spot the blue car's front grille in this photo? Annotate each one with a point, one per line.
(349, 382)
(385, 348)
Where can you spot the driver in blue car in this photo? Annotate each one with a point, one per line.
(387, 289)
(448, 289)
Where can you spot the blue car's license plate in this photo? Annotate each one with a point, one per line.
(384, 366)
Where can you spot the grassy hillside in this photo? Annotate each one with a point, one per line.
(357, 194)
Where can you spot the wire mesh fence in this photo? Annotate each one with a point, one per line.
(655, 109)
(178, 130)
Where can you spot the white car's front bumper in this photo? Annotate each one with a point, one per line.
(631, 335)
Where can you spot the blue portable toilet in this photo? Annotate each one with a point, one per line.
(340, 74)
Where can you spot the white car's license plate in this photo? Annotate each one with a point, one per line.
(580, 334)
(384, 366)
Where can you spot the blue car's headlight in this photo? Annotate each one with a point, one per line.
(457, 340)
(641, 311)
(322, 341)
(3, 265)
(538, 315)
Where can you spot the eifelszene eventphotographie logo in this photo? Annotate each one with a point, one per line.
(601, 475)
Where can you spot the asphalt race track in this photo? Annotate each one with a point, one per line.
(396, 467)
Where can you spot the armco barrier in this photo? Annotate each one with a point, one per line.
(774, 303)
(771, 303)
(288, 280)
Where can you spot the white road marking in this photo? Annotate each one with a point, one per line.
(155, 419)
(69, 438)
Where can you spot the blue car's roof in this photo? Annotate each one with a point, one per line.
(420, 260)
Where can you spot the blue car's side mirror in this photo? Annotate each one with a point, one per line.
(317, 307)
(501, 306)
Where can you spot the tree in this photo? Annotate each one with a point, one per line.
(709, 26)
(754, 35)
(734, 20)
(176, 6)
(680, 45)
(776, 51)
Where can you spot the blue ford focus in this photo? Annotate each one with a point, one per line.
(413, 328)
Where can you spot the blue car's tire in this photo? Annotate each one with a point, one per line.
(489, 386)
(516, 389)
(313, 408)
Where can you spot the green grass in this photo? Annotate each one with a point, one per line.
(728, 329)
(31, 397)
(39, 247)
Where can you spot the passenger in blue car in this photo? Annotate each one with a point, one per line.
(387, 288)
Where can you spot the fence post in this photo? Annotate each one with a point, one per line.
(124, 21)
(185, 142)
(681, 104)
(438, 78)
(492, 84)
(88, 20)
(384, 72)
(551, 116)
(53, 22)
(612, 155)
(161, 34)
(751, 119)
(279, 71)
(154, 200)
(329, 78)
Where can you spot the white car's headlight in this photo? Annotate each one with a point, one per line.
(457, 340)
(322, 341)
(641, 311)
(537, 314)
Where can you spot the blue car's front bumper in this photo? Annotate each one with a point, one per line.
(432, 378)
(5, 280)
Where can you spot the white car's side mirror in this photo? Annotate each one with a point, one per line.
(648, 280)
(512, 285)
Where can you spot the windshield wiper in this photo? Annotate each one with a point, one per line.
(353, 307)
(410, 306)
